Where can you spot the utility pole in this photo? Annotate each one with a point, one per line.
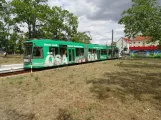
(112, 45)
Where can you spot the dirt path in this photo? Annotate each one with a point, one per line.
(107, 90)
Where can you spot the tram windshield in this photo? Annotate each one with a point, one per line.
(27, 50)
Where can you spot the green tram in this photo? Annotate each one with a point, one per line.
(42, 53)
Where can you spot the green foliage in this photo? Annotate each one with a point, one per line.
(5, 23)
(39, 20)
(2, 34)
(59, 24)
(144, 17)
(45, 22)
(29, 12)
(81, 37)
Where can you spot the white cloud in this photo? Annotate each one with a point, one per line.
(100, 29)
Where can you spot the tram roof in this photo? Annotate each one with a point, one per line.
(61, 42)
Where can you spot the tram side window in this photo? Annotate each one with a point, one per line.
(63, 50)
(79, 51)
(37, 52)
(53, 50)
(82, 51)
(103, 52)
(92, 51)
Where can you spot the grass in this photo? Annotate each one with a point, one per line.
(11, 59)
(16, 115)
(124, 84)
(64, 115)
(118, 89)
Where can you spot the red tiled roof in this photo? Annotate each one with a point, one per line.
(141, 38)
(127, 40)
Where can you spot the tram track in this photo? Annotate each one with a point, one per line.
(23, 71)
(7, 74)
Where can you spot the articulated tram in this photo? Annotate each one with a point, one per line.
(40, 53)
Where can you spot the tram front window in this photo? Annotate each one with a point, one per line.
(27, 50)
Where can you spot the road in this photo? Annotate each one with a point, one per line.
(10, 68)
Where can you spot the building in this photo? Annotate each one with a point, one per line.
(142, 46)
(123, 44)
(140, 41)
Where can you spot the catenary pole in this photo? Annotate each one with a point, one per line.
(112, 45)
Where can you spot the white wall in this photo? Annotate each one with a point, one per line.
(121, 44)
(143, 43)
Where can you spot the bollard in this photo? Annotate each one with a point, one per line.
(31, 68)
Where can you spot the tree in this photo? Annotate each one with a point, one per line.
(2, 35)
(29, 12)
(5, 23)
(19, 47)
(12, 43)
(82, 38)
(2, 29)
(42, 22)
(59, 24)
(144, 17)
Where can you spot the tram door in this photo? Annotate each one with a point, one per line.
(71, 55)
(98, 54)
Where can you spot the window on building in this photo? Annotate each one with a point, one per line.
(116, 51)
(37, 52)
(125, 48)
